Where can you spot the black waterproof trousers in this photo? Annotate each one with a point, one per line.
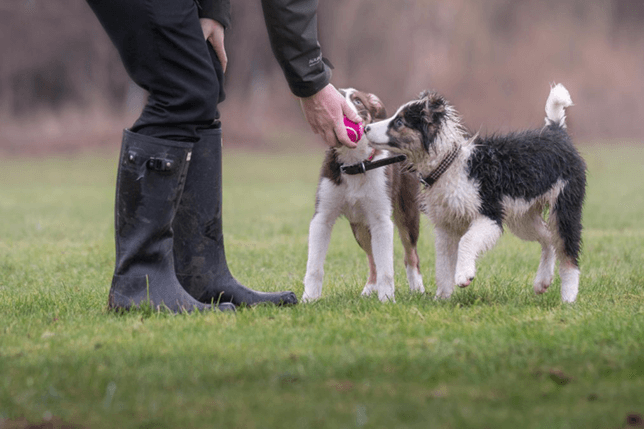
(164, 51)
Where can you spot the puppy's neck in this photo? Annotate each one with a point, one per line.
(450, 140)
(360, 153)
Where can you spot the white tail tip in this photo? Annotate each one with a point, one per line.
(556, 104)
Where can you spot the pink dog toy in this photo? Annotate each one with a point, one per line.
(353, 129)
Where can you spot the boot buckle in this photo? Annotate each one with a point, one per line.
(160, 164)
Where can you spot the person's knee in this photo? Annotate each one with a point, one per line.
(201, 102)
(179, 110)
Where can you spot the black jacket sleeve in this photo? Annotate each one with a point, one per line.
(293, 33)
(219, 10)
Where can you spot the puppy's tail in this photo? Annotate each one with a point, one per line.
(556, 104)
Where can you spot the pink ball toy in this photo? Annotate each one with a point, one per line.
(354, 130)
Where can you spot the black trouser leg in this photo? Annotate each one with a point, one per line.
(163, 50)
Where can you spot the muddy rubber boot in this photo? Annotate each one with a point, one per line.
(199, 254)
(149, 183)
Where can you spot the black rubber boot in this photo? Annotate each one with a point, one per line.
(199, 254)
(150, 180)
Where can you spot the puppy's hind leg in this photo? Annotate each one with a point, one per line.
(407, 220)
(412, 266)
(363, 237)
(532, 227)
(567, 218)
(569, 273)
(319, 238)
(370, 287)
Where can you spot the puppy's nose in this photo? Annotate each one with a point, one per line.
(367, 128)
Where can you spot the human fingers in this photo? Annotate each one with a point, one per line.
(325, 113)
(350, 113)
(340, 131)
(220, 50)
(213, 32)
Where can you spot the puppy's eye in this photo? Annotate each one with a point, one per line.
(398, 123)
(357, 102)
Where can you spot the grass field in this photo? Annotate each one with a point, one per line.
(495, 356)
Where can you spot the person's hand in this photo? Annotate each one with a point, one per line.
(213, 32)
(325, 113)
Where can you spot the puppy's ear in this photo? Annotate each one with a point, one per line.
(439, 113)
(434, 108)
(432, 115)
(376, 107)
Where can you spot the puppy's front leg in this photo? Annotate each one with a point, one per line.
(319, 238)
(382, 245)
(481, 236)
(446, 254)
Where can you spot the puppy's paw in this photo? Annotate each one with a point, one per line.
(464, 274)
(540, 286)
(442, 295)
(369, 288)
(444, 287)
(308, 298)
(568, 296)
(385, 287)
(542, 282)
(386, 297)
(415, 280)
(312, 285)
(464, 279)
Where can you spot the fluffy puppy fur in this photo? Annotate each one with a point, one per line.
(367, 200)
(532, 181)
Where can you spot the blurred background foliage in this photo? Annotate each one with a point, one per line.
(62, 84)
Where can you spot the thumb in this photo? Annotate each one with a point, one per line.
(341, 135)
(220, 50)
(350, 113)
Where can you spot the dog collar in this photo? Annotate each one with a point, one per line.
(368, 164)
(430, 179)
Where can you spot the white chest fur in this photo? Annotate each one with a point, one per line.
(453, 201)
(358, 197)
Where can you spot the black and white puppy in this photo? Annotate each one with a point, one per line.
(533, 181)
(367, 200)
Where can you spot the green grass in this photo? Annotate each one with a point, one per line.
(494, 356)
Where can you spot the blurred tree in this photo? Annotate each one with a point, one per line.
(492, 59)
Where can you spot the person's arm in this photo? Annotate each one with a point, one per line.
(293, 33)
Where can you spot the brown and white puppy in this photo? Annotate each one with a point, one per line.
(367, 200)
(478, 184)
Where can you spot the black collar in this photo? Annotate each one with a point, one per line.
(364, 166)
(430, 179)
